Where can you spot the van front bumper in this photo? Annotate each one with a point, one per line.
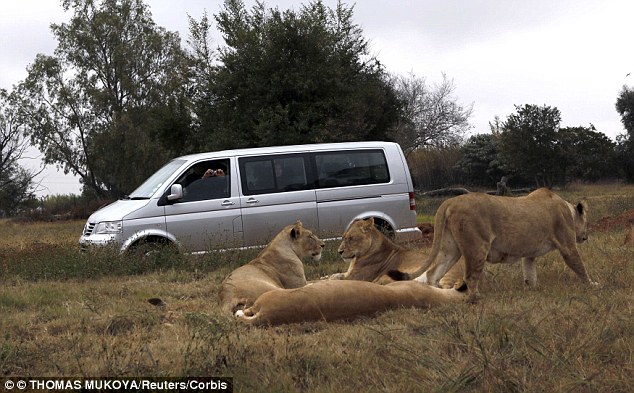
(98, 241)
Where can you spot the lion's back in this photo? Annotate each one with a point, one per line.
(539, 211)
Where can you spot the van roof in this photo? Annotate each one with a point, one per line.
(288, 149)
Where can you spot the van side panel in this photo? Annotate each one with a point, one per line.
(203, 225)
(338, 206)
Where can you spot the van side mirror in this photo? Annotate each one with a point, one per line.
(176, 192)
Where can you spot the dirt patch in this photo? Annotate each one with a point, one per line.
(623, 220)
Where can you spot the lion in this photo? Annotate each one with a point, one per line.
(372, 255)
(332, 300)
(501, 229)
(279, 265)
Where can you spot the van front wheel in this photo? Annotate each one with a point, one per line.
(148, 247)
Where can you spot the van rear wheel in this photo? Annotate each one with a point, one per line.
(385, 228)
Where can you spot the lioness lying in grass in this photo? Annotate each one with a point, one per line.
(372, 255)
(331, 300)
(279, 265)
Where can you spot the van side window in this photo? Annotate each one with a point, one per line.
(206, 180)
(270, 174)
(350, 168)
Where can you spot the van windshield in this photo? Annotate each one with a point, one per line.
(154, 182)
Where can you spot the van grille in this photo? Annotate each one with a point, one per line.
(89, 228)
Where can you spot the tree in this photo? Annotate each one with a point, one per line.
(586, 154)
(202, 76)
(528, 143)
(431, 115)
(16, 182)
(533, 145)
(288, 77)
(480, 161)
(625, 108)
(100, 107)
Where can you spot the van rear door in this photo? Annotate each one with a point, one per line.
(358, 183)
(276, 191)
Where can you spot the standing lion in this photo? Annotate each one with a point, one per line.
(498, 229)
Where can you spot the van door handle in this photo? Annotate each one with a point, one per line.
(227, 203)
(252, 200)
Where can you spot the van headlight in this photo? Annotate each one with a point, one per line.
(108, 227)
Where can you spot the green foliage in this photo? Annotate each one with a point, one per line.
(585, 154)
(625, 108)
(16, 183)
(93, 107)
(531, 145)
(289, 77)
(528, 143)
(480, 161)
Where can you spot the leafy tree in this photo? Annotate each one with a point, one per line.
(586, 154)
(480, 161)
(202, 75)
(625, 108)
(533, 145)
(16, 182)
(528, 143)
(431, 115)
(107, 105)
(287, 77)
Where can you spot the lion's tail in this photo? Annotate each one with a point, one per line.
(440, 220)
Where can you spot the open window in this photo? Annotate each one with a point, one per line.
(206, 180)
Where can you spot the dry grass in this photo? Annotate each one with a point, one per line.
(93, 319)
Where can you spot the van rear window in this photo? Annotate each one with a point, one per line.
(351, 168)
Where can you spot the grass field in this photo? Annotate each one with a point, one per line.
(64, 313)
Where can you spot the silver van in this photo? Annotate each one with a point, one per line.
(241, 198)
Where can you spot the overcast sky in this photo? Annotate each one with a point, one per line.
(570, 54)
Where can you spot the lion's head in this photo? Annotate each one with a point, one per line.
(305, 243)
(358, 239)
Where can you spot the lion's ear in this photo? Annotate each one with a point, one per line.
(297, 229)
(369, 222)
(581, 208)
